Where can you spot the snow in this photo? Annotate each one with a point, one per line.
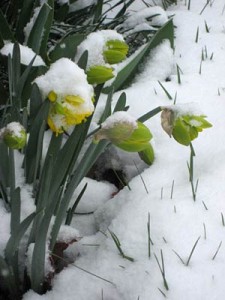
(26, 53)
(78, 5)
(14, 128)
(163, 191)
(98, 192)
(155, 16)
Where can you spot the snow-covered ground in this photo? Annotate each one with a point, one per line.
(186, 258)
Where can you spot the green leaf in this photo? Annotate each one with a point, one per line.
(37, 37)
(71, 211)
(107, 110)
(150, 114)
(16, 74)
(35, 101)
(5, 32)
(4, 165)
(46, 31)
(24, 17)
(98, 11)
(15, 238)
(67, 47)
(83, 167)
(125, 76)
(82, 63)
(121, 103)
(7, 284)
(31, 153)
(15, 204)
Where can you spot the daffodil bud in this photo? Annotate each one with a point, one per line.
(99, 74)
(138, 141)
(184, 127)
(115, 51)
(14, 135)
(147, 155)
(116, 128)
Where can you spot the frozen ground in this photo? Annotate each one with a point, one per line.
(178, 224)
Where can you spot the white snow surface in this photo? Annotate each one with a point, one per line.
(155, 16)
(79, 4)
(26, 54)
(177, 223)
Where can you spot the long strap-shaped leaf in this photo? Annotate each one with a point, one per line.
(8, 283)
(5, 32)
(37, 34)
(84, 166)
(125, 76)
(33, 145)
(15, 238)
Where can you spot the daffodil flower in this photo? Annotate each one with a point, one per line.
(184, 127)
(124, 132)
(71, 97)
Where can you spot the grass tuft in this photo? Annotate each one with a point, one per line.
(165, 90)
(197, 35)
(162, 269)
(190, 255)
(217, 250)
(118, 245)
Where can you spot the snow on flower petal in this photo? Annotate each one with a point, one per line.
(117, 127)
(66, 87)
